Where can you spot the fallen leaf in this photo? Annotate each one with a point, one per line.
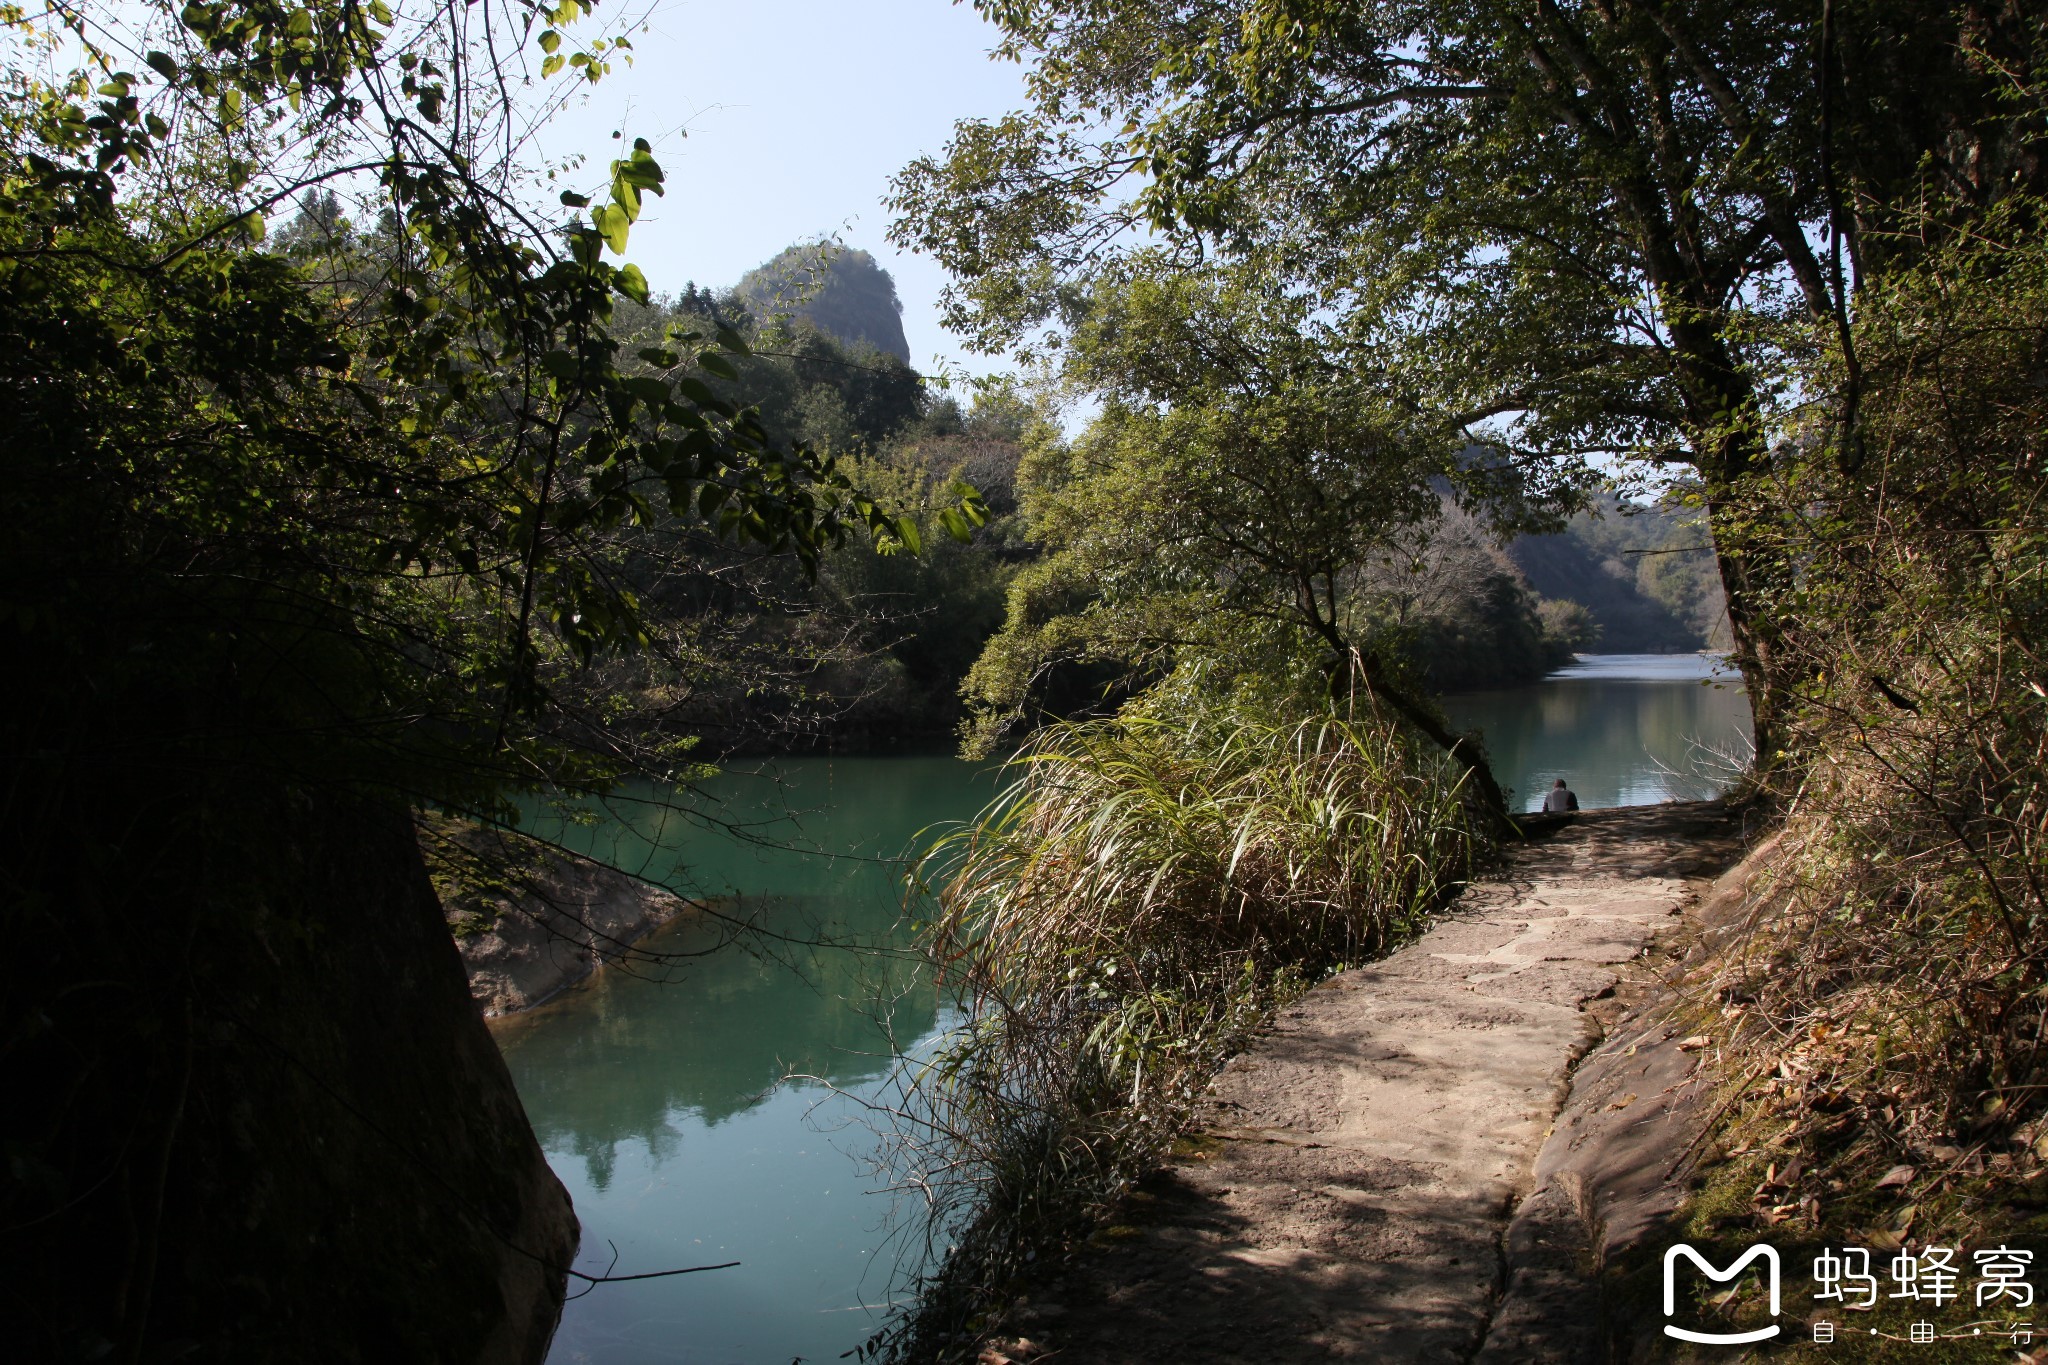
(1896, 1176)
(1695, 1043)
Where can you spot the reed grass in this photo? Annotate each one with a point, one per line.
(1114, 925)
(1883, 1028)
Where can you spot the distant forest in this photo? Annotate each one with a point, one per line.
(873, 652)
(1645, 574)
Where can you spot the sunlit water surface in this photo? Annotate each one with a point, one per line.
(1620, 729)
(658, 1102)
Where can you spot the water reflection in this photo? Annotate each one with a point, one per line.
(657, 1101)
(1621, 729)
(626, 1059)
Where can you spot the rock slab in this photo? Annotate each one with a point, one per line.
(1369, 1153)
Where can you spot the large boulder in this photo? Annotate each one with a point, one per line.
(253, 1114)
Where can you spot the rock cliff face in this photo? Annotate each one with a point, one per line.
(529, 921)
(253, 1113)
(841, 290)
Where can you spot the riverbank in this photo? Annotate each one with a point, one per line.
(530, 921)
(1364, 1180)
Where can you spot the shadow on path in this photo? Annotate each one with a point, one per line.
(1351, 1193)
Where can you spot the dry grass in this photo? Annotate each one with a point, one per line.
(1887, 1022)
(1142, 896)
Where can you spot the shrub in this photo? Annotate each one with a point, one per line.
(1142, 895)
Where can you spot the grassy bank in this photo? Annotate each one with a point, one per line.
(1883, 1028)
(1143, 895)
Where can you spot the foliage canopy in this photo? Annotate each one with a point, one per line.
(1582, 226)
(351, 499)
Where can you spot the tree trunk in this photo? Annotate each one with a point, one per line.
(254, 1113)
(1754, 570)
(1749, 573)
(1352, 668)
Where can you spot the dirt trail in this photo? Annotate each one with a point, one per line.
(1364, 1161)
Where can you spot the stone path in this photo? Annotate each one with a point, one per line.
(1365, 1158)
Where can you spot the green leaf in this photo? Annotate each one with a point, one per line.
(550, 40)
(717, 364)
(642, 172)
(550, 65)
(571, 199)
(613, 225)
(632, 283)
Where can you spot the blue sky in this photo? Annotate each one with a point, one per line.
(777, 121)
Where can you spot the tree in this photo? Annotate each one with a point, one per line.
(870, 648)
(1223, 505)
(1448, 603)
(425, 439)
(299, 539)
(1573, 222)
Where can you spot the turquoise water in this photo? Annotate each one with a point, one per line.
(658, 1093)
(659, 1096)
(1620, 729)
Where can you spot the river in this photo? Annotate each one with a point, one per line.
(1620, 729)
(655, 1096)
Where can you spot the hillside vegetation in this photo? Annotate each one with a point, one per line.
(1784, 260)
(837, 289)
(1644, 573)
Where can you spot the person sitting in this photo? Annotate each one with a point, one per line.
(1561, 799)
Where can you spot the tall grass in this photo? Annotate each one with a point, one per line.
(1141, 896)
(1891, 1012)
